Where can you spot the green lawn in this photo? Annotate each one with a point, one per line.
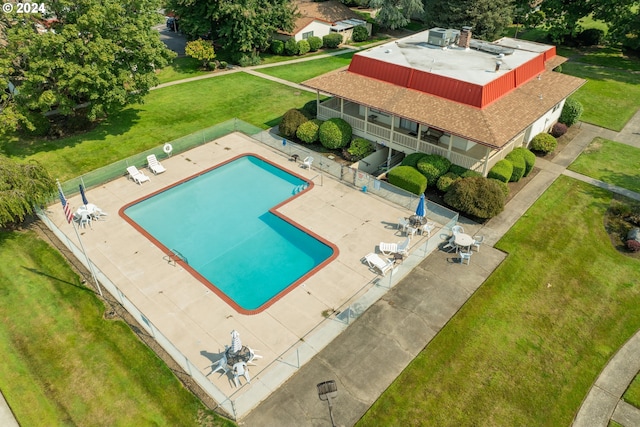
(302, 71)
(632, 395)
(611, 162)
(181, 68)
(527, 346)
(64, 364)
(167, 114)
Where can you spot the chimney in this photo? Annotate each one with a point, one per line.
(464, 40)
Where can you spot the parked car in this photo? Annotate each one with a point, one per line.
(172, 23)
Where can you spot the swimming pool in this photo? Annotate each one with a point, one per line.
(225, 225)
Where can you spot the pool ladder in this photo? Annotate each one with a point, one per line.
(175, 254)
(299, 188)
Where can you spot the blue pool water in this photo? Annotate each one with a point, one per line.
(220, 222)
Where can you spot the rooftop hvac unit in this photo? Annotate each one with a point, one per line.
(442, 37)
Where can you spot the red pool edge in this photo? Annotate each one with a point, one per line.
(273, 210)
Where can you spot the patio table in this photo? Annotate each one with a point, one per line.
(463, 240)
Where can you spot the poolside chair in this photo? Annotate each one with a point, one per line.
(252, 355)
(395, 248)
(375, 262)
(451, 244)
(457, 229)
(306, 163)
(83, 218)
(240, 370)
(428, 228)
(477, 241)
(465, 256)
(154, 164)
(221, 365)
(95, 212)
(411, 231)
(136, 175)
(403, 223)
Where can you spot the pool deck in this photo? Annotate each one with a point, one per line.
(195, 319)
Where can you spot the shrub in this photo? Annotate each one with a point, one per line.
(360, 148)
(501, 171)
(457, 169)
(433, 167)
(590, 37)
(303, 47)
(310, 109)
(290, 122)
(332, 41)
(529, 159)
(544, 142)
(503, 186)
(412, 159)
(571, 112)
(558, 69)
(558, 130)
(517, 161)
(223, 64)
(335, 133)
(360, 33)
(277, 47)
(479, 197)
(469, 174)
(308, 131)
(249, 60)
(445, 181)
(291, 47)
(633, 245)
(408, 178)
(315, 43)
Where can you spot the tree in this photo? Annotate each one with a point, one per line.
(94, 57)
(394, 14)
(22, 186)
(488, 18)
(239, 25)
(623, 17)
(562, 16)
(201, 50)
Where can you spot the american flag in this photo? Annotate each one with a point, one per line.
(65, 205)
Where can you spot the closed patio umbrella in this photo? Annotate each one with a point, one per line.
(236, 345)
(420, 210)
(84, 198)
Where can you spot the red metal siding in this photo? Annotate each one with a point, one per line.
(445, 87)
(499, 87)
(549, 54)
(395, 74)
(529, 70)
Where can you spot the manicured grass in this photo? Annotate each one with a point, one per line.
(181, 68)
(611, 162)
(64, 364)
(610, 97)
(302, 71)
(270, 58)
(527, 346)
(632, 395)
(167, 114)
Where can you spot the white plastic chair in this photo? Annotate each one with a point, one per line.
(374, 261)
(252, 355)
(394, 248)
(457, 229)
(411, 231)
(306, 163)
(478, 241)
(84, 218)
(136, 175)
(240, 370)
(154, 164)
(221, 365)
(428, 228)
(451, 244)
(403, 223)
(465, 256)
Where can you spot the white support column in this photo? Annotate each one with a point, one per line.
(342, 108)
(450, 146)
(486, 161)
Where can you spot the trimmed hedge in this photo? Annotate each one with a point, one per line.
(303, 47)
(290, 122)
(470, 174)
(503, 186)
(457, 169)
(501, 171)
(571, 112)
(479, 197)
(332, 41)
(360, 148)
(291, 47)
(310, 109)
(360, 33)
(519, 166)
(408, 178)
(529, 159)
(433, 166)
(308, 131)
(445, 181)
(544, 142)
(335, 133)
(315, 43)
(277, 47)
(412, 159)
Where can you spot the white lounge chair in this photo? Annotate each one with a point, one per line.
(374, 261)
(306, 163)
(240, 370)
(154, 164)
(395, 248)
(136, 175)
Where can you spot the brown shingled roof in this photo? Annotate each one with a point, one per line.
(329, 11)
(493, 126)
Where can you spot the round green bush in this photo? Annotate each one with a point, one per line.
(310, 109)
(360, 148)
(222, 65)
(335, 133)
(408, 178)
(457, 169)
(501, 171)
(308, 131)
(277, 47)
(315, 43)
(529, 159)
(412, 159)
(519, 167)
(360, 33)
(470, 173)
(571, 112)
(479, 197)
(433, 166)
(290, 122)
(303, 47)
(445, 181)
(544, 142)
(291, 47)
(332, 40)
(503, 186)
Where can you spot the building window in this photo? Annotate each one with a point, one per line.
(556, 107)
(307, 35)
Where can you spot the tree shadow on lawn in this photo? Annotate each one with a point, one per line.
(115, 124)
